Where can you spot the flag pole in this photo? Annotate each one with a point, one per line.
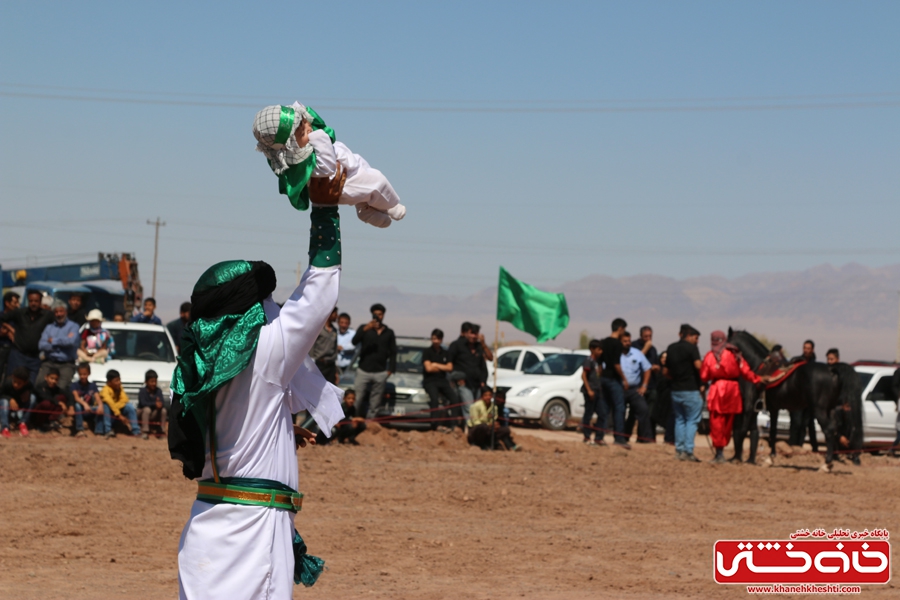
(494, 391)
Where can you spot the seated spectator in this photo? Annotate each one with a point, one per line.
(17, 395)
(52, 401)
(59, 343)
(118, 318)
(86, 401)
(115, 404)
(504, 433)
(76, 309)
(483, 419)
(349, 427)
(97, 344)
(151, 406)
(148, 315)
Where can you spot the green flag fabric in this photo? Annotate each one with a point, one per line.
(542, 314)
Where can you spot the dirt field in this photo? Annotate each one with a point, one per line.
(411, 515)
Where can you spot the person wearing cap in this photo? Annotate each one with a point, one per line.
(299, 146)
(116, 405)
(59, 343)
(723, 366)
(97, 344)
(244, 370)
(683, 368)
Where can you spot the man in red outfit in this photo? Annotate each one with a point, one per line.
(723, 367)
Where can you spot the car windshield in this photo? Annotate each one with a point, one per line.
(409, 359)
(557, 364)
(138, 344)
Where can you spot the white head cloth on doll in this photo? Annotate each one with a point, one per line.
(274, 128)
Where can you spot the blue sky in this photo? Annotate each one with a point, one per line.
(559, 140)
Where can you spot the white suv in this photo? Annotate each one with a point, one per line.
(140, 347)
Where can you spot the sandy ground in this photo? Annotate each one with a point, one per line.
(413, 515)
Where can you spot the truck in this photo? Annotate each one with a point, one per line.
(111, 283)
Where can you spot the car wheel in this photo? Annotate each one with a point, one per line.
(555, 415)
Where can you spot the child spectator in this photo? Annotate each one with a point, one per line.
(351, 425)
(115, 404)
(483, 418)
(52, 402)
(151, 406)
(16, 394)
(87, 402)
(97, 344)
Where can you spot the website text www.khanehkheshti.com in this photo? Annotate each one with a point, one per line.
(803, 588)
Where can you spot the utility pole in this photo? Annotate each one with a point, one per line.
(158, 224)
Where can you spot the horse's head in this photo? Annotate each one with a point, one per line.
(751, 348)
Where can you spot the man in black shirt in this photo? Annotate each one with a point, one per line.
(377, 361)
(613, 382)
(27, 324)
(468, 354)
(10, 303)
(176, 327)
(436, 366)
(683, 368)
(76, 311)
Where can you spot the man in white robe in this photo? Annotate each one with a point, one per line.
(240, 550)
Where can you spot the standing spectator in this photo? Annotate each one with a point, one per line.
(683, 367)
(436, 367)
(663, 413)
(118, 318)
(52, 401)
(895, 386)
(833, 356)
(97, 344)
(464, 395)
(86, 400)
(25, 325)
(17, 395)
(636, 370)
(10, 304)
(116, 405)
(377, 361)
(176, 327)
(76, 309)
(148, 315)
(613, 382)
(468, 354)
(345, 342)
(592, 390)
(723, 367)
(151, 407)
(645, 344)
(325, 348)
(59, 343)
(804, 420)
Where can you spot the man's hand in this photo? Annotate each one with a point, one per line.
(159, 404)
(591, 393)
(845, 442)
(373, 324)
(642, 390)
(49, 340)
(327, 191)
(304, 436)
(624, 385)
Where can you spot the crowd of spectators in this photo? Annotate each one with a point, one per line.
(46, 357)
(629, 387)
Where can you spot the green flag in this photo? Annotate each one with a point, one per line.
(542, 314)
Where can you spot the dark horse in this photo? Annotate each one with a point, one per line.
(813, 385)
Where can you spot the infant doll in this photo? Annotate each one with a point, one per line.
(298, 145)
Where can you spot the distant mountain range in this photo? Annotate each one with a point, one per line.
(853, 307)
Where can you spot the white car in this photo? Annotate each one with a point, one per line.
(513, 360)
(140, 347)
(879, 408)
(549, 391)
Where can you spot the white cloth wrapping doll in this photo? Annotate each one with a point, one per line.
(298, 145)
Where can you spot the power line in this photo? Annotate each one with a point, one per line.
(484, 109)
